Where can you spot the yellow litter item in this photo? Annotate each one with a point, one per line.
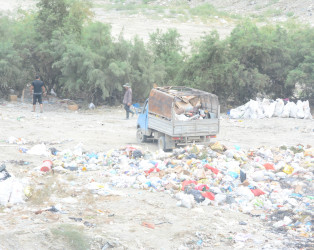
(288, 169)
(28, 191)
(217, 146)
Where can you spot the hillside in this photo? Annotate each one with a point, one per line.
(192, 18)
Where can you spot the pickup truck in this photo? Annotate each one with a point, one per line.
(176, 116)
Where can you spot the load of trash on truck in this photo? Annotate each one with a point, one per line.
(187, 103)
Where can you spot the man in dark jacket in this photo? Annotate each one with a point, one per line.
(127, 100)
(38, 89)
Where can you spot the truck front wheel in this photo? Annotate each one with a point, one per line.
(140, 136)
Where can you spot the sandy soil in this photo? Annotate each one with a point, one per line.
(117, 219)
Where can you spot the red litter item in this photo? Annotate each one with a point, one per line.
(269, 166)
(46, 167)
(152, 170)
(214, 170)
(186, 183)
(149, 225)
(201, 187)
(257, 192)
(209, 195)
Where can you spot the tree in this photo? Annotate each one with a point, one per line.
(167, 52)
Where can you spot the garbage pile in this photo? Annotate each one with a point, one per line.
(266, 108)
(186, 103)
(275, 184)
(190, 108)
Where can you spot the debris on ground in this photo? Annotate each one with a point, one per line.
(275, 184)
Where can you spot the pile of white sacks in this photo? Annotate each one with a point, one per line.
(268, 108)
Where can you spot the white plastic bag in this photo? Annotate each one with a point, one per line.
(293, 110)
(269, 110)
(300, 112)
(279, 107)
(307, 110)
(286, 110)
(236, 113)
(253, 108)
(11, 191)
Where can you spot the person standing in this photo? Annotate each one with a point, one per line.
(38, 89)
(127, 100)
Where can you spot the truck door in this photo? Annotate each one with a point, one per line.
(142, 120)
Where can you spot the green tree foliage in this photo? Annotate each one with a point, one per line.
(51, 16)
(12, 73)
(268, 60)
(301, 78)
(166, 50)
(14, 70)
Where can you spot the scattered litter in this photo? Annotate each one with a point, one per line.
(149, 225)
(273, 183)
(76, 219)
(14, 140)
(88, 224)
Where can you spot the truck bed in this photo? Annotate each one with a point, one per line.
(177, 128)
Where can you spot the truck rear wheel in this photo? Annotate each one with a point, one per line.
(162, 143)
(140, 136)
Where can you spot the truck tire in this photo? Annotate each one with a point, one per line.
(140, 137)
(162, 143)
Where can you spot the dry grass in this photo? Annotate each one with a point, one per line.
(72, 235)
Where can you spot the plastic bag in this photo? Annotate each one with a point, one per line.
(279, 107)
(269, 110)
(253, 108)
(209, 195)
(214, 170)
(300, 112)
(257, 192)
(236, 113)
(11, 191)
(307, 110)
(286, 110)
(293, 110)
(269, 166)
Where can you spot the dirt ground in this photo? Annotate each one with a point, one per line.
(116, 220)
(100, 222)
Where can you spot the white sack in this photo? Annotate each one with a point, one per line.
(260, 110)
(279, 107)
(236, 113)
(286, 110)
(269, 110)
(300, 112)
(253, 109)
(293, 110)
(307, 110)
